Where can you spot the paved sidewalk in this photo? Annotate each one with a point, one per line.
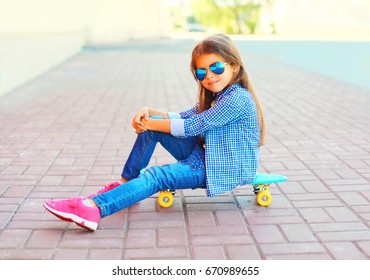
(68, 133)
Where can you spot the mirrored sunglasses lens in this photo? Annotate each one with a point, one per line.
(217, 68)
(200, 73)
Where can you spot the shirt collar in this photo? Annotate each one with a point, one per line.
(217, 95)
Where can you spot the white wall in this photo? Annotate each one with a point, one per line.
(40, 34)
(128, 20)
(23, 57)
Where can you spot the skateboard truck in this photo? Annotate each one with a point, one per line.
(261, 185)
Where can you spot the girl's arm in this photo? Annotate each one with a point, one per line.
(154, 112)
(142, 122)
(143, 115)
(157, 125)
(146, 112)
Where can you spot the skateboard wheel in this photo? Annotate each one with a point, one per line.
(264, 198)
(165, 199)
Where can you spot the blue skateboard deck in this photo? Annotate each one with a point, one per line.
(265, 179)
(260, 187)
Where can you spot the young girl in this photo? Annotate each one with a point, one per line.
(216, 143)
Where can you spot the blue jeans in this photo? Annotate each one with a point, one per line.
(187, 173)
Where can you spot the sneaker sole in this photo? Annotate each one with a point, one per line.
(68, 217)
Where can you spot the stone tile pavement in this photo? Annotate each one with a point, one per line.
(68, 133)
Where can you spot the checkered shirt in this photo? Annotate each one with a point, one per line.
(232, 135)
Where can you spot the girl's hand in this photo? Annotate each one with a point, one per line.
(137, 124)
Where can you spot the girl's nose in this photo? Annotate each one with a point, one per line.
(209, 74)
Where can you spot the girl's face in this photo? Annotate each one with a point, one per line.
(214, 82)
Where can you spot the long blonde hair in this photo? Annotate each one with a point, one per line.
(223, 46)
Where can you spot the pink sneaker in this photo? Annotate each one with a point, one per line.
(73, 210)
(106, 188)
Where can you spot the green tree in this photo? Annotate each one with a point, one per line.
(251, 16)
(230, 16)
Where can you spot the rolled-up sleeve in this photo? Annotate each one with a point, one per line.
(177, 121)
(172, 115)
(177, 127)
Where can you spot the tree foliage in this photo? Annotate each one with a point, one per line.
(230, 16)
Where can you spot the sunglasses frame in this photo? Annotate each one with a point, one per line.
(217, 70)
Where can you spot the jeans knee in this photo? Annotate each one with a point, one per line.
(156, 177)
(149, 134)
(144, 135)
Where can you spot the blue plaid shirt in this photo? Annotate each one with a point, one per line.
(232, 136)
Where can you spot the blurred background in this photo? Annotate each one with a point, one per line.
(40, 34)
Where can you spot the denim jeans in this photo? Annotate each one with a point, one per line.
(187, 173)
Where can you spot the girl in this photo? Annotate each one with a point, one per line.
(216, 142)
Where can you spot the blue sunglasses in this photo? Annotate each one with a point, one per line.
(217, 68)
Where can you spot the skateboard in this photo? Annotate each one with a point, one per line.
(260, 185)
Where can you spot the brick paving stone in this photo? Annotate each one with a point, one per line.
(118, 221)
(292, 248)
(335, 226)
(242, 252)
(201, 218)
(365, 216)
(365, 247)
(345, 235)
(208, 253)
(156, 224)
(221, 239)
(210, 206)
(353, 198)
(70, 254)
(341, 214)
(104, 254)
(315, 215)
(314, 186)
(301, 256)
(91, 243)
(5, 216)
(345, 251)
(318, 203)
(229, 218)
(16, 238)
(157, 253)
(217, 230)
(267, 234)
(26, 254)
(298, 233)
(293, 188)
(143, 238)
(68, 133)
(274, 220)
(171, 237)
